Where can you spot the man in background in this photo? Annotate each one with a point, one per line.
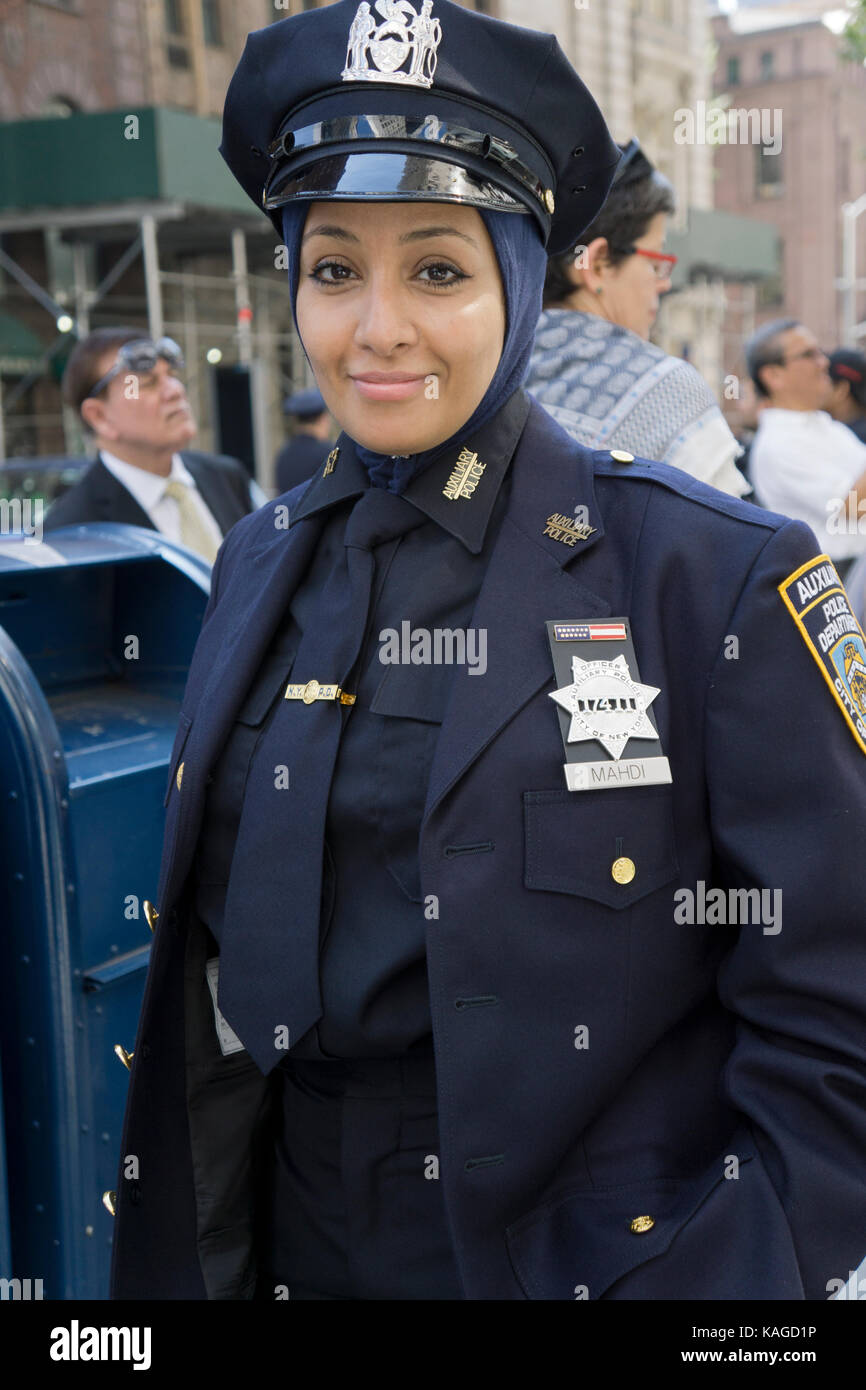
(802, 463)
(130, 398)
(310, 443)
(847, 399)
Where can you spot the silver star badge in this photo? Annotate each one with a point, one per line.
(606, 704)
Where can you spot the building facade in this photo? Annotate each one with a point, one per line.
(784, 65)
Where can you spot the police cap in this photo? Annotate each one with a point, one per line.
(397, 101)
(305, 405)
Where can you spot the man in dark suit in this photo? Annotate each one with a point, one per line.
(310, 443)
(131, 399)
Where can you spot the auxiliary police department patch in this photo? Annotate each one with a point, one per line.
(817, 602)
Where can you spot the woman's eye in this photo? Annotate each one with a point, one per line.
(317, 273)
(442, 274)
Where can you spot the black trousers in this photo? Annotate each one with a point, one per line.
(354, 1206)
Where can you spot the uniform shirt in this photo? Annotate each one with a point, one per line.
(802, 464)
(372, 932)
(148, 489)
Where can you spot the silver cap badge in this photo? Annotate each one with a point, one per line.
(403, 33)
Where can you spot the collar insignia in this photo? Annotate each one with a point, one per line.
(563, 528)
(464, 476)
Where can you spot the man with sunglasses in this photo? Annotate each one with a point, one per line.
(803, 463)
(130, 397)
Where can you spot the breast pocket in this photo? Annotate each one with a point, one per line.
(613, 846)
(411, 701)
(229, 775)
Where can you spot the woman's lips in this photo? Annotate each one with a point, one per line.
(379, 387)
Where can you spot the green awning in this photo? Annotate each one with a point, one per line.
(108, 157)
(723, 244)
(20, 349)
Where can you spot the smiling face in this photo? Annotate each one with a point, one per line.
(401, 311)
(140, 417)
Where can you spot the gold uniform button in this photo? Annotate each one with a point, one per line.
(179, 778)
(621, 456)
(109, 1201)
(151, 916)
(623, 870)
(641, 1224)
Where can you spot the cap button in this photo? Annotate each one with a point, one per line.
(621, 456)
(548, 200)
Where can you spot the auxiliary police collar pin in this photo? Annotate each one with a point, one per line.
(403, 33)
(603, 702)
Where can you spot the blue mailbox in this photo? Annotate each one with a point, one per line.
(97, 629)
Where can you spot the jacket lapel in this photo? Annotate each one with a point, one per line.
(530, 579)
(214, 491)
(112, 501)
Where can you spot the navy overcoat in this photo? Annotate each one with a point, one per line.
(632, 1105)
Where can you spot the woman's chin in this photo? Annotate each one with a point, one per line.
(381, 439)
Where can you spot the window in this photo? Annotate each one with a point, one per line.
(212, 23)
(766, 65)
(733, 72)
(768, 173)
(178, 57)
(173, 16)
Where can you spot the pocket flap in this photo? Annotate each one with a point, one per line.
(414, 692)
(270, 680)
(586, 1240)
(573, 839)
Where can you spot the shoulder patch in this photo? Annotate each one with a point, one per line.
(816, 599)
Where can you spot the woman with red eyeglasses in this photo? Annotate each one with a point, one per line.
(593, 367)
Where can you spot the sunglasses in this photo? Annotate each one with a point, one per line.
(140, 357)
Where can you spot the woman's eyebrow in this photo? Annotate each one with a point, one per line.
(419, 234)
(339, 232)
(422, 232)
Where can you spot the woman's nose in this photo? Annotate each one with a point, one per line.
(384, 322)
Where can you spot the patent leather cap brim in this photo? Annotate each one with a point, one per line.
(385, 176)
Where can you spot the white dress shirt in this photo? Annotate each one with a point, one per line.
(803, 464)
(148, 489)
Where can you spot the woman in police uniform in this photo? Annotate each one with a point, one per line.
(487, 860)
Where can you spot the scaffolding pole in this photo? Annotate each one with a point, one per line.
(151, 275)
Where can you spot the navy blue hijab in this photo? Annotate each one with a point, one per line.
(522, 265)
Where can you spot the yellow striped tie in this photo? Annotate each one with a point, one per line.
(193, 532)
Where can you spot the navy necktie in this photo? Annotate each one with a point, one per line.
(269, 953)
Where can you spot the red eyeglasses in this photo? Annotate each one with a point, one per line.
(662, 264)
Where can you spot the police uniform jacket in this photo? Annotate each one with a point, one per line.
(630, 1106)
